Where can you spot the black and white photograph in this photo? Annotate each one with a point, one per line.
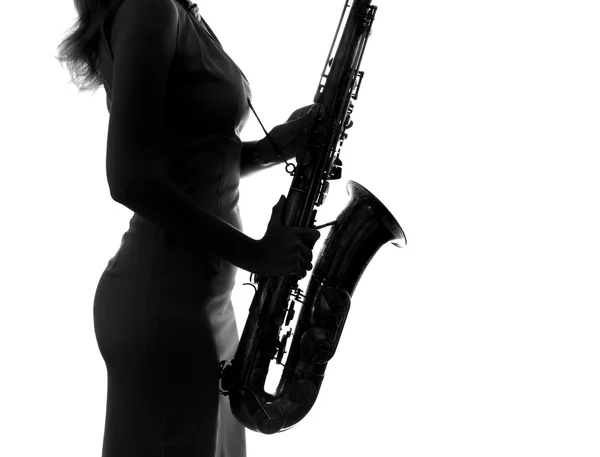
(327, 228)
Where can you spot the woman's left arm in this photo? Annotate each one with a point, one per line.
(289, 138)
(257, 157)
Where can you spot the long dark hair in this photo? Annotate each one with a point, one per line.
(79, 50)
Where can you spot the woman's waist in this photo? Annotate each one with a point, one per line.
(149, 249)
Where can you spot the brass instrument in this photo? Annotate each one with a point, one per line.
(362, 227)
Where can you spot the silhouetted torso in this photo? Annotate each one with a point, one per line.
(162, 312)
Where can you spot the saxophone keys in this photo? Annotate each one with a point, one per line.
(290, 314)
(303, 157)
(336, 169)
(323, 194)
(281, 347)
(252, 284)
(225, 376)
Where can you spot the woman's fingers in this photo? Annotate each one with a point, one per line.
(304, 266)
(300, 112)
(305, 258)
(308, 236)
(306, 252)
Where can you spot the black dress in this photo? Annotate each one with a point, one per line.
(162, 311)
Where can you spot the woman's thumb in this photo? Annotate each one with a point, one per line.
(279, 205)
(277, 213)
(316, 110)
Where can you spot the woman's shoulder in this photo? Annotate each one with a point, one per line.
(144, 11)
(139, 24)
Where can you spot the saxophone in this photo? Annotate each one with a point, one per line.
(358, 232)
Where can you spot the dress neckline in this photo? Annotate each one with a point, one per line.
(193, 11)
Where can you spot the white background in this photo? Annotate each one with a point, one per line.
(477, 125)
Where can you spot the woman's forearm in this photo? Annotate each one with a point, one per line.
(167, 205)
(257, 156)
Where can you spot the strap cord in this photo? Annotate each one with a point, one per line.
(290, 167)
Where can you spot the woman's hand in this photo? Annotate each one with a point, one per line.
(291, 136)
(284, 250)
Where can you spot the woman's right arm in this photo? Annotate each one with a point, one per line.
(144, 39)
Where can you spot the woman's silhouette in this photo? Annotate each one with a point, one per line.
(162, 311)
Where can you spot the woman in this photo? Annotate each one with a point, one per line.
(162, 311)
